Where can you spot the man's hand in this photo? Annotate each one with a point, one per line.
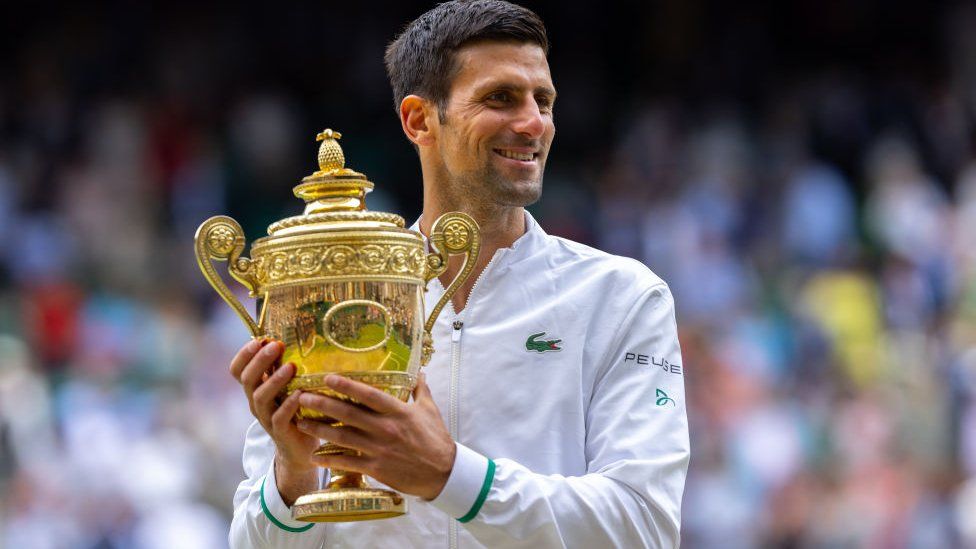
(295, 472)
(405, 446)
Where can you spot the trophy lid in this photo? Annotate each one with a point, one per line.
(333, 195)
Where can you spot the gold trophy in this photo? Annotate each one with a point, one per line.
(343, 287)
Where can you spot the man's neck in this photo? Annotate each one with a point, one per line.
(499, 227)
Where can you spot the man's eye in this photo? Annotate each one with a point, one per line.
(498, 97)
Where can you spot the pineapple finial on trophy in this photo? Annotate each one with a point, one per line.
(333, 187)
(331, 158)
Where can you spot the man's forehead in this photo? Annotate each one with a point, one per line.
(509, 63)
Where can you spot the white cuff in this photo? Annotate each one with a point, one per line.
(467, 486)
(275, 509)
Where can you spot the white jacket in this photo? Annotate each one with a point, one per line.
(584, 446)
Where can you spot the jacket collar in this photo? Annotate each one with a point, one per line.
(528, 244)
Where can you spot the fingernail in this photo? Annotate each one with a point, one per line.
(254, 345)
(271, 350)
(332, 381)
(302, 424)
(284, 370)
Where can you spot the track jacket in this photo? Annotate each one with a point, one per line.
(562, 384)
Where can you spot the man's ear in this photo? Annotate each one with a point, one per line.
(419, 120)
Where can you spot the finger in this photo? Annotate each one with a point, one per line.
(259, 365)
(264, 395)
(281, 418)
(358, 464)
(347, 437)
(244, 355)
(366, 395)
(337, 410)
(421, 393)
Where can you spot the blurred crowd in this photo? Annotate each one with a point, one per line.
(820, 241)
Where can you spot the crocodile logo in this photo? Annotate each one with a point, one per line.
(541, 346)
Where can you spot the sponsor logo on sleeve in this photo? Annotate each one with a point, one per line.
(651, 360)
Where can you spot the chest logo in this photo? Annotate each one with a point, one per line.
(663, 398)
(541, 346)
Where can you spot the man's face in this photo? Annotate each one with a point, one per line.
(498, 123)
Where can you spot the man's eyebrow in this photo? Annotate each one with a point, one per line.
(547, 91)
(498, 86)
(507, 86)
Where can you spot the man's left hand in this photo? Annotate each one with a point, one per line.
(405, 446)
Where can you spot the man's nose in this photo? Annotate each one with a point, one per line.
(531, 122)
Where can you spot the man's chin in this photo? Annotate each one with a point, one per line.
(513, 189)
(520, 195)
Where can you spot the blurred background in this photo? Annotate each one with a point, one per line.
(803, 174)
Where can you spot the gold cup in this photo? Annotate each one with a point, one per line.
(343, 287)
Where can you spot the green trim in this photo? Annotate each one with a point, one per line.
(485, 488)
(276, 522)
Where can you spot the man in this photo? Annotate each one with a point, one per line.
(553, 410)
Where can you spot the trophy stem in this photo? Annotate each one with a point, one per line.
(347, 498)
(346, 479)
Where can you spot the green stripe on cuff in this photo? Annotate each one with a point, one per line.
(485, 488)
(276, 522)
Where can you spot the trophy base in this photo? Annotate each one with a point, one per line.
(348, 505)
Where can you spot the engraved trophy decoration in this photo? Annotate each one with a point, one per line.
(343, 287)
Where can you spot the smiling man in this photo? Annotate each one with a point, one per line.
(537, 425)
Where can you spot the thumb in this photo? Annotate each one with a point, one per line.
(421, 393)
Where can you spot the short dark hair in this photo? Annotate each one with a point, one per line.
(421, 59)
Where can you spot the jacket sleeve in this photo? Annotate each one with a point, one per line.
(637, 454)
(261, 518)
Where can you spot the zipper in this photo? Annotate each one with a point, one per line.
(455, 376)
(452, 534)
(456, 348)
(458, 324)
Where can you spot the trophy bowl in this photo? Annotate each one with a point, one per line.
(343, 288)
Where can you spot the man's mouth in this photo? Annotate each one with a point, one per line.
(523, 156)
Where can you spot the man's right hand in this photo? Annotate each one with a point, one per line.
(252, 367)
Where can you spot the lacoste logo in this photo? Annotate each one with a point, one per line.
(663, 398)
(541, 346)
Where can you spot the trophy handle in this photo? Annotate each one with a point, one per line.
(453, 233)
(222, 238)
